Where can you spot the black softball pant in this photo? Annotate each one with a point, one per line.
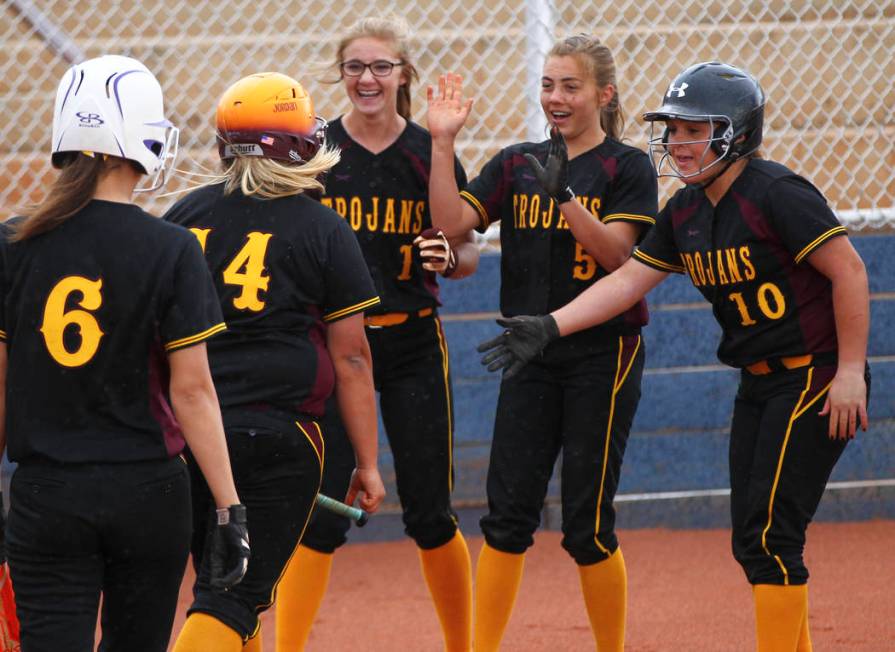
(326, 530)
(584, 406)
(79, 530)
(412, 375)
(780, 460)
(277, 475)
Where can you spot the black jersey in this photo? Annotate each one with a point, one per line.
(89, 311)
(283, 268)
(543, 267)
(745, 256)
(384, 197)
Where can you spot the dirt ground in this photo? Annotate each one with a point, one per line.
(685, 593)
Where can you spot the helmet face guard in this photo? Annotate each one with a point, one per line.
(720, 143)
(729, 99)
(167, 154)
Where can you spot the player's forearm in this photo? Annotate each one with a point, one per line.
(851, 310)
(608, 297)
(199, 416)
(607, 247)
(445, 205)
(357, 406)
(467, 253)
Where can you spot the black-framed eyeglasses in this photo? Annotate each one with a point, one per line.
(379, 68)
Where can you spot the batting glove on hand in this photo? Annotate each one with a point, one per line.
(554, 174)
(524, 339)
(436, 252)
(229, 548)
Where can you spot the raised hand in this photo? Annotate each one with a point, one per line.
(448, 109)
(554, 174)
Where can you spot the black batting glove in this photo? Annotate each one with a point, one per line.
(523, 340)
(229, 548)
(554, 174)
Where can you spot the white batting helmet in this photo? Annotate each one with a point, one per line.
(113, 105)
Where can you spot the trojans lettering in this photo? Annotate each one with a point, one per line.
(719, 266)
(402, 216)
(538, 212)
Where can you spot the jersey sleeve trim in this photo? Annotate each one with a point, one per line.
(814, 244)
(195, 339)
(477, 205)
(656, 263)
(345, 312)
(3, 335)
(629, 217)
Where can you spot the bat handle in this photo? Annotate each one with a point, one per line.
(357, 515)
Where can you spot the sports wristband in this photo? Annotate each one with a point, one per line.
(564, 195)
(232, 514)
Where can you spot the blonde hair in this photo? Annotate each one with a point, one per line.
(598, 61)
(389, 29)
(267, 178)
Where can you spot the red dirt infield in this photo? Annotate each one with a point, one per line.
(685, 593)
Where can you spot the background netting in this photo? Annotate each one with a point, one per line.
(826, 65)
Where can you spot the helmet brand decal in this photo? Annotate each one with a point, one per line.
(680, 90)
(238, 149)
(285, 106)
(295, 156)
(89, 119)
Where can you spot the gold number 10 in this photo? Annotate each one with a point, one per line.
(767, 293)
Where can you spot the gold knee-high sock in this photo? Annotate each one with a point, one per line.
(497, 579)
(204, 633)
(299, 594)
(448, 573)
(779, 612)
(254, 644)
(605, 589)
(805, 635)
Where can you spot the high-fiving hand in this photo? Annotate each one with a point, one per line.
(448, 109)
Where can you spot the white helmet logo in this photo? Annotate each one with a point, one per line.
(680, 90)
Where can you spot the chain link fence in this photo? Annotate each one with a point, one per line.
(826, 65)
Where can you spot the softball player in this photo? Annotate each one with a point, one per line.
(562, 228)
(791, 295)
(293, 288)
(105, 313)
(380, 188)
